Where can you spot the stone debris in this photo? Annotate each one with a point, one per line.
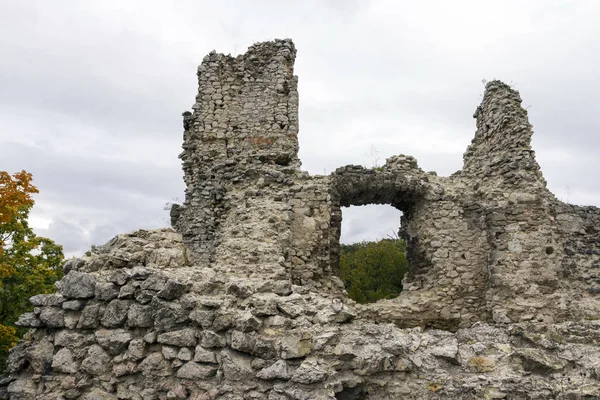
(241, 300)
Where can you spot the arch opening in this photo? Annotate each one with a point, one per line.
(391, 188)
(372, 260)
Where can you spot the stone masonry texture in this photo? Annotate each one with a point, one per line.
(241, 298)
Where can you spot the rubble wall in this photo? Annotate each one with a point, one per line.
(241, 300)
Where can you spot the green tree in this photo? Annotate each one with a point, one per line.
(29, 264)
(373, 270)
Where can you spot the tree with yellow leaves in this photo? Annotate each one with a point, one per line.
(29, 264)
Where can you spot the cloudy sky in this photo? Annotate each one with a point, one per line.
(91, 94)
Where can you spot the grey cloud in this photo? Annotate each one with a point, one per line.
(373, 222)
(92, 92)
(89, 199)
(74, 174)
(69, 234)
(77, 235)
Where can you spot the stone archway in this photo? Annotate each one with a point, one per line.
(357, 186)
(445, 284)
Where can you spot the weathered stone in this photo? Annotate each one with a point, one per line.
(140, 273)
(140, 316)
(278, 370)
(63, 362)
(183, 337)
(192, 370)
(71, 339)
(536, 360)
(150, 337)
(248, 322)
(97, 394)
(29, 320)
(243, 342)
(264, 306)
(106, 291)
(290, 309)
(71, 319)
(97, 361)
(122, 369)
(238, 289)
(346, 314)
(185, 354)
(172, 290)
(22, 389)
(137, 349)
(223, 321)
(78, 285)
(236, 366)
(115, 313)
(211, 339)
(144, 296)
(47, 300)
(155, 282)
(155, 365)
(203, 355)
(265, 348)
(36, 356)
(295, 347)
(204, 318)
(169, 352)
(129, 290)
(309, 372)
(74, 305)
(120, 277)
(113, 340)
(447, 350)
(89, 317)
(168, 316)
(52, 317)
(210, 302)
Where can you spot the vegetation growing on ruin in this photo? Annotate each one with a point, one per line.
(373, 271)
(29, 264)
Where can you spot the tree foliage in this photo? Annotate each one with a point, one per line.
(373, 270)
(29, 264)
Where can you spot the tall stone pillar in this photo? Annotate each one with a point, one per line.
(501, 169)
(244, 122)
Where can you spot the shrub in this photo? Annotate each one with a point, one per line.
(373, 271)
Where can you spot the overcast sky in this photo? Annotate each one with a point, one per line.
(91, 94)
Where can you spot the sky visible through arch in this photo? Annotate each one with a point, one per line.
(369, 223)
(91, 92)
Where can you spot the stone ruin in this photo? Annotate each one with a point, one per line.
(241, 300)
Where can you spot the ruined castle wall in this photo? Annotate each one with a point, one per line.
(249, 211)
(480, 244)
(242, 301)
(446, 249)
(136, 320)
(581, 228)
(500, 153)
(525, 281)
(578, 263)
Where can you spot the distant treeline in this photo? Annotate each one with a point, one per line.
(373, 271)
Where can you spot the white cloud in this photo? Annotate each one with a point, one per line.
(92, 92)
(369, 223)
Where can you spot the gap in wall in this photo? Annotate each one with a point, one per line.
(372, 258)
(372, 222)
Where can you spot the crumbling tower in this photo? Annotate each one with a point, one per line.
(245, 115)
(523, 263)
(243, 210)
